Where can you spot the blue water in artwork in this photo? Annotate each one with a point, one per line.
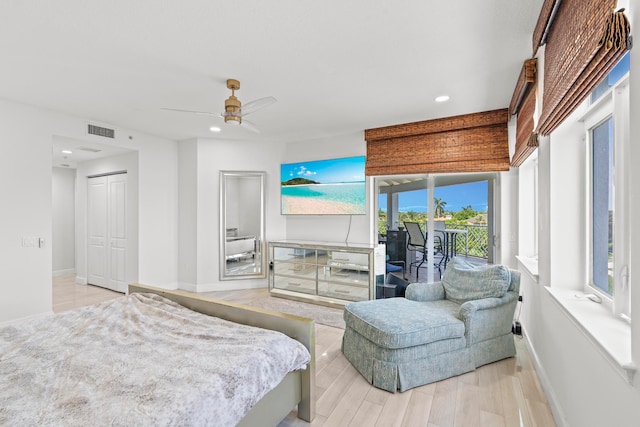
(344, 198)
(353, 193)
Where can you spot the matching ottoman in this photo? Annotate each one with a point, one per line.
(398, 344)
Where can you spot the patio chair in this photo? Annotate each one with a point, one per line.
(395, 266)
(417, 243)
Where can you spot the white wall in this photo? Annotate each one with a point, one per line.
(25, 192)
(125, 162)
(505, 194)
(207, 158)
(26, 136)
(157, 211)
(188, 215)
(330, 228)
(579, 382)
(63, 240)
(202, 160)
(567, 203)
(634, 188)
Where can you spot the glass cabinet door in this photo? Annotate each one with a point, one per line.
(323, 271)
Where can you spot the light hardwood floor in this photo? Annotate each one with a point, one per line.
(68, 295)
(505, 393)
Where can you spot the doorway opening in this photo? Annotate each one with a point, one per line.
(74, 161)
(457, 209)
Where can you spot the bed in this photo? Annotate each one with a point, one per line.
(110, 364)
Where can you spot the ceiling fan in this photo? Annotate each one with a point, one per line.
(234, 111)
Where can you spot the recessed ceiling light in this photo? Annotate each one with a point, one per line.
(215, 129)
(67, 152)
(442, 98)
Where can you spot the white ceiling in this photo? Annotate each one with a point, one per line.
(336, 67)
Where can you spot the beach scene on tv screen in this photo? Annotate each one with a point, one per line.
(324, 187)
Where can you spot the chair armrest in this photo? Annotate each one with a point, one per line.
(488, 317)
(425, 291)
(468, 308)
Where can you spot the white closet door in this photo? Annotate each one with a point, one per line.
(97, 232)
(117, 206)
(107, 254)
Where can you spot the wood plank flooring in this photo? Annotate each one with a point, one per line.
(504, 394)
(68, 295)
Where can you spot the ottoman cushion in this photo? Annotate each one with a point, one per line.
(399, 322)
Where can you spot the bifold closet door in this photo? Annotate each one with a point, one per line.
(107, 232)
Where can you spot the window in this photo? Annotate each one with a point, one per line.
(602, 206)
(614, 76)
(607, 124)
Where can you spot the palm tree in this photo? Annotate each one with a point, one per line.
(438, 205)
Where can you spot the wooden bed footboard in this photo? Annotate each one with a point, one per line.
(296, 388)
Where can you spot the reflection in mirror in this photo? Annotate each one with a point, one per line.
(241, 225)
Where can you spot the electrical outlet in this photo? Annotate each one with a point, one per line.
(520, 298)
(516, 329)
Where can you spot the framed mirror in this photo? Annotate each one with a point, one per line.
(242, 244)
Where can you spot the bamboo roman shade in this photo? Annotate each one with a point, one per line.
(526, 138)
(468, 143)
(584, 41)
(523, 103)
(540, 31)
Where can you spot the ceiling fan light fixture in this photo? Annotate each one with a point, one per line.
(231, 119)
(233, 111)
(232, 104)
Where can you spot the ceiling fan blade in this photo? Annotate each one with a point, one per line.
(256, 105)
(249, 126)
(205, 113)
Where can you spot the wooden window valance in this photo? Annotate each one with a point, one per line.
(585, 40)
(526, 79)
(475, 142)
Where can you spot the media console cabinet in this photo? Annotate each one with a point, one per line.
(324, 272)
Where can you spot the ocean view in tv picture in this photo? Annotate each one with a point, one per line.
(324, 187)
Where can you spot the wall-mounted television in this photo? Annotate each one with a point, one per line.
(324, 187)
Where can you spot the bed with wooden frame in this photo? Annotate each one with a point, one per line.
(158, 357)
(297, 388)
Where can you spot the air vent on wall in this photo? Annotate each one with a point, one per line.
(100, 131)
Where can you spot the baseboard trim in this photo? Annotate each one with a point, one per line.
(556, 410)
(67, 272)
(81, 280)
(189, 287)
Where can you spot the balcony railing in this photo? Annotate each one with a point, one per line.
(474, 243)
